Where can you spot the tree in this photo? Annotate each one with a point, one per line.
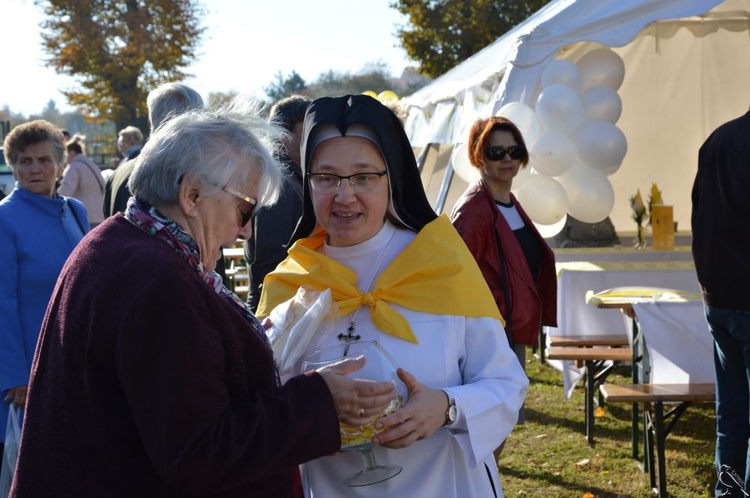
(118, 50)
(284, 87)
(444, 33)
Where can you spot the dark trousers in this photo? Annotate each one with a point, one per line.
(731, 333)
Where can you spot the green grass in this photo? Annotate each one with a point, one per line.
(548, 455)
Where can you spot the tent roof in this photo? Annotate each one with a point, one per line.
(687, 70)
(559, 23)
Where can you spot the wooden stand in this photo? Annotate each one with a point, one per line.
(662, 227)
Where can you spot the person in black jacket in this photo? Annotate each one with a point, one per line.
(273, 226)
(721, 238)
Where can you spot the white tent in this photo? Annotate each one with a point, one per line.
(687, 70)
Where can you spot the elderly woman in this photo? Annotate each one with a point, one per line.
(151, 378)
(403, 277)
(38, 231)
(82, 179)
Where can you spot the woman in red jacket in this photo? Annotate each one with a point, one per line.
(515, 260)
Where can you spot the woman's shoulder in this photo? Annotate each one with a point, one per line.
(473, 199)
(135, 251)
(16, 207)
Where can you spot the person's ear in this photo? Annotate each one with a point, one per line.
(190, 196)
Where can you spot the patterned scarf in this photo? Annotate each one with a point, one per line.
(153, 222)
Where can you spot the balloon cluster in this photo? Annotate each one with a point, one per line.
(573, 142)
(386, 96)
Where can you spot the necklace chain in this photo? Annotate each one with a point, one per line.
(349, 337)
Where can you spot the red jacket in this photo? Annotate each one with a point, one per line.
(534, 304)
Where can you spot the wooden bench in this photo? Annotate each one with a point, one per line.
(653, 397)
(585, 341)
(594, 359)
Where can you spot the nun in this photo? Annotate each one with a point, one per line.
(402, 276)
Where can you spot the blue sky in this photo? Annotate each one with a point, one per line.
(245, 44)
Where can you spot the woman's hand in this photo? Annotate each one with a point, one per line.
(422, 415)
(17, 396)
(357, 401)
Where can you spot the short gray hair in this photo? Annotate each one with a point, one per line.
(131, 134)
(213, 146)
(169, 100)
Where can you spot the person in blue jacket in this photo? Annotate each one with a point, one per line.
(38, 231)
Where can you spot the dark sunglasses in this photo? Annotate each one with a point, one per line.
(244, 217)
(497, 152)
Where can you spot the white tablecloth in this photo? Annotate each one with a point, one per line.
(575, 317)
(679, 344)
(680, 253)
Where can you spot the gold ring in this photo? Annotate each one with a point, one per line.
(361, 412)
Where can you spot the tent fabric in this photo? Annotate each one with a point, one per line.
(687, 70)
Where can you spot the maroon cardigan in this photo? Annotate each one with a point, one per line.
(146, 383)
(534, 304)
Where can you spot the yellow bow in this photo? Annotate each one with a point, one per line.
(435, 273)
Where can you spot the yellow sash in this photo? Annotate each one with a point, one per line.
(435, 273)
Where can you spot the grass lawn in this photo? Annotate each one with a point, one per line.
(548, 455)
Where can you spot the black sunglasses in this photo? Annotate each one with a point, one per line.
(497, 152)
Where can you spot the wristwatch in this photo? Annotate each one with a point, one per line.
(450, 413)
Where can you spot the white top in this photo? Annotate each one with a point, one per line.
(470, 356)
(511, 215)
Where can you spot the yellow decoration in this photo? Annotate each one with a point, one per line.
(435, 273)
(370, 93)
(387, 97)
(655, 199)
(639, 212)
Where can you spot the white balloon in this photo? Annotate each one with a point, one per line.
(558, 108)
(601, 103)
(553, 153)
(602, 67)
(611, 170)
(563, 72)
(521, 178)
(600, 145)
(543, 199)
(590, 195)
(549, 231)
(523, 117)
(461, 164)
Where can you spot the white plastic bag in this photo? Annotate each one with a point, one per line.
(299, 325)
(10, 454)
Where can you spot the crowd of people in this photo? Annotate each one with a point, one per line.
(141, 374)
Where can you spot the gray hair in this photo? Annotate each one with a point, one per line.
(131, 134)
(169, 100)
(215, 147)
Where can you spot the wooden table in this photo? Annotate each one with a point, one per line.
(576, 317)
(679, 349)
(623, 299)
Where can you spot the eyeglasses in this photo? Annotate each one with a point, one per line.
(244, 217)
(328, 183)
(497, 152)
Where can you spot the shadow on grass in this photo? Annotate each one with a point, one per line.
(553, 480)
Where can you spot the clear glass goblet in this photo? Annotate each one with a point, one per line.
(379, 366)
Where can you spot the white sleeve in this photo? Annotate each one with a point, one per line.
(493, 388)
